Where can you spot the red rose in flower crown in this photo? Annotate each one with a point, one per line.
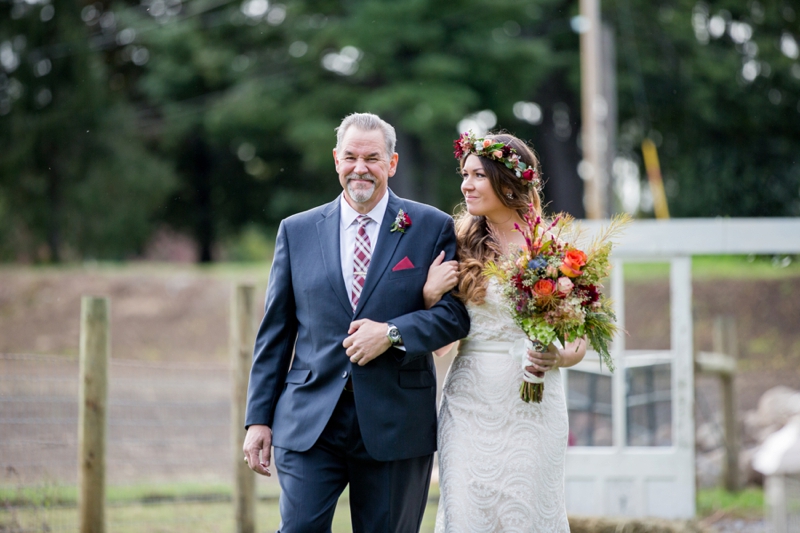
(401, 222)
(529, 174)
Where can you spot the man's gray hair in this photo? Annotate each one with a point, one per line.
(367, 122)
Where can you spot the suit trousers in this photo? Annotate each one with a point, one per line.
(385, 496)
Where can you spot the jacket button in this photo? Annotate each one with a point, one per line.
(344, 374)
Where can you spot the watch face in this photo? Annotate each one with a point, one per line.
(394, 334)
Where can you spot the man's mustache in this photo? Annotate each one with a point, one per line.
(365, 177)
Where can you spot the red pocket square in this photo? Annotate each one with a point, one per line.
(403, 265)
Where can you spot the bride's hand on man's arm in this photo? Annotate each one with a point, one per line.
(570, 355)
(442, 277)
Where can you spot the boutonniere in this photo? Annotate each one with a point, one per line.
(401, 222)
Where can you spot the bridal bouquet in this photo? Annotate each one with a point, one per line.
(553, 290)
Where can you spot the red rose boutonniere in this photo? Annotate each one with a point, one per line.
(401, 222)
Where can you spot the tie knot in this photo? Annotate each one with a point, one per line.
(363, 220)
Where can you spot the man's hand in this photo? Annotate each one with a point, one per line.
(367, 341)
(257, 447)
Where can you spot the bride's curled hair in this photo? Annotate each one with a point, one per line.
(476, 245)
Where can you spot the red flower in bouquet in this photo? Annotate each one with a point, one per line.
(591, 294)
(572, 263)
(544, 288)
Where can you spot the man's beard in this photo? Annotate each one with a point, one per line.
(360, 196)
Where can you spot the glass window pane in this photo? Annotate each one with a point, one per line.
(589, 408)
(649, 404)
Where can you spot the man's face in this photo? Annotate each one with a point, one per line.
(364, 168)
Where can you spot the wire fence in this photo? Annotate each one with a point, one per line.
(169, 446)
(168, 434)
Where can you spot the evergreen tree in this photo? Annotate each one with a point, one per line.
(717, 85)
(74, 179)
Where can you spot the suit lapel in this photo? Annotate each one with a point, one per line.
(328, 231)
(387, 243)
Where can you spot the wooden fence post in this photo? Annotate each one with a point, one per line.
(725, 341)
(95, 349)
(242, 337)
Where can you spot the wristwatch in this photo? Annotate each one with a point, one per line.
(393, 334)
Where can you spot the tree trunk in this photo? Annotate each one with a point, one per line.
(54, 213)
(411, 180)
(204, 210)
(557, 146)
(402, 183)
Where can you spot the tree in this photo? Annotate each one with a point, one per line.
(74, 178)
(718, 86)
(211, 86)
(423, 65)
(216, 116)
(249, 95)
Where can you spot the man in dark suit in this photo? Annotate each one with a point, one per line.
(343, 383)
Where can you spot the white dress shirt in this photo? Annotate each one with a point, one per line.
(348, 228)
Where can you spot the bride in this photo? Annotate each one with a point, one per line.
(501, 460)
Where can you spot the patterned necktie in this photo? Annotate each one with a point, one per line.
(361, 258)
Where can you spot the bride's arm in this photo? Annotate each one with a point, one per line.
(442, 277)
(444, 350)
(570, 355)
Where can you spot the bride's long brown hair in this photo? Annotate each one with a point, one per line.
(476, 245)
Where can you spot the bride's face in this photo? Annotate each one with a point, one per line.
(478, 193)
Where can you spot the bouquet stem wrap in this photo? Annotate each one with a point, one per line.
(532, 387)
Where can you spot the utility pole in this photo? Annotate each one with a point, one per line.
(593, 111)
(608, 82)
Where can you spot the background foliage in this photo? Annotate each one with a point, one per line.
(215, 118)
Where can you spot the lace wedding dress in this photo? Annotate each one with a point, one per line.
(501, 460)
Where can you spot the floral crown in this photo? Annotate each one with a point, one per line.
(498, 151)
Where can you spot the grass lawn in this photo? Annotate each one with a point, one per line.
(747, 504)
(711, 267)
(197, 508)
(703, 267)
(177, 508)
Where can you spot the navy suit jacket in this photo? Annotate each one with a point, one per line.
(299, 364)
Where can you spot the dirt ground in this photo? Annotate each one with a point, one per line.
(767, 317)
(178, 314)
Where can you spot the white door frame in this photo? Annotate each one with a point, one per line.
(660, 481)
